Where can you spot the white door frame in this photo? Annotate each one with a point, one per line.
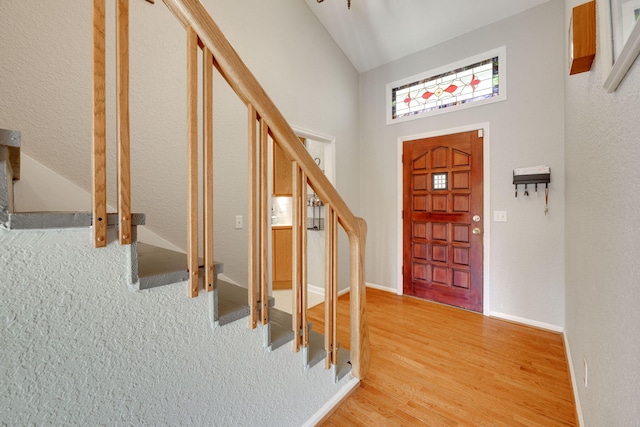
(329, 150)
(328, 166)
(486, 203)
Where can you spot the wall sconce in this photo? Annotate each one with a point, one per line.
(582, 38)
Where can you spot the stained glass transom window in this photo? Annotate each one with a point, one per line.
(457, 85)
(439, 181)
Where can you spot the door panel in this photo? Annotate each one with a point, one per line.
(442, 191)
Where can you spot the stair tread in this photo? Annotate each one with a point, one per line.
(154, 260)
(281, 333)
(280, 323)
(43, 220)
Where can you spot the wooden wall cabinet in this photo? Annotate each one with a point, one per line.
(582, 38)
(281, 172)
(281, 257)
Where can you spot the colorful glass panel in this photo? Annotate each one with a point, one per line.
(471, 82)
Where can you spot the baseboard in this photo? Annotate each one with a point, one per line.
(315, 289)
(525, 321)
(381, 288)
(328, 408)
(320, 291)
(574, 380)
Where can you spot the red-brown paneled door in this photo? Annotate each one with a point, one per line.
(442, 219)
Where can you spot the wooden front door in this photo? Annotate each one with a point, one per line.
(442, 219)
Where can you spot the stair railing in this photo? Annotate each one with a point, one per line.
(265, 121)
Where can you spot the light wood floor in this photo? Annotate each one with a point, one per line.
(435, 365)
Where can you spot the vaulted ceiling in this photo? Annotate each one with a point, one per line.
(375, 32)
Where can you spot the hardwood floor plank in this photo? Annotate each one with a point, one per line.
(435, 365)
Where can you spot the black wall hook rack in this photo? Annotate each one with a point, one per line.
(539, 178)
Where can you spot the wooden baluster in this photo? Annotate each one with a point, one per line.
(251, 220)
(99, 143)
(264, 218)
(328, 286)
(303, 259)
(192, 158)
(334, 288)
(122, 88)
(295, 256)
(207, 153)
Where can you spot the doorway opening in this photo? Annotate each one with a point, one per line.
(322, 150)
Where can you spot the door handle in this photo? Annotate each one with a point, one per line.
(476, 231)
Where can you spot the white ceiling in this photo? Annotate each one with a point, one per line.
(375, 32)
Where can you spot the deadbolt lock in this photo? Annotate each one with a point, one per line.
(476, 218)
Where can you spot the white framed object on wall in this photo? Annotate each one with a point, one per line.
(625, 39)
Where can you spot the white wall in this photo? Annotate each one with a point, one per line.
(527, 257)
(602, 270)
(41, 189)
(45, 91)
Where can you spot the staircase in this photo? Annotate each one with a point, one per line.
(152, 271)
(149, 269)
(152, 266)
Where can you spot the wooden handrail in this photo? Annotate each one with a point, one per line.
(193, 14)
(195, 17)
(265, 121)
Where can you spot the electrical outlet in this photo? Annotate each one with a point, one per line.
(500, 216)
(586, 373)
(238, 221)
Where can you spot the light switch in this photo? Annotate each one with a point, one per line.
(500, 216)
(238, 221)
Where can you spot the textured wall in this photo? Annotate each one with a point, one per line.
(527, 256)
(79, 348)
(603, 181)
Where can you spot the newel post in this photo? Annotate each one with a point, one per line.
(360, 352)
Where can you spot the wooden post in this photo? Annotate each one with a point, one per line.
(328, 285)
(359, 351)
(192, 160)
(122, 88)
(207, 150)
(295, 256)
(303, 259)
(99, 143)
(251, 219)
(334, 287)
(264, 218)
